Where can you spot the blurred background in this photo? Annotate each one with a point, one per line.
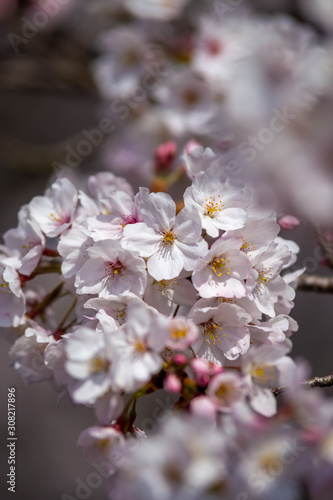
(55, 84)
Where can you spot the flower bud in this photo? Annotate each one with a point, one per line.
(172, 384)
(289, 222)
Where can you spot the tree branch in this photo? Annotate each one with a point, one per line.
(326, 245)
(315, 283)
(310, 384)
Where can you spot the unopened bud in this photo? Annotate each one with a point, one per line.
(289, 222)
(172, 384)
(164, 156)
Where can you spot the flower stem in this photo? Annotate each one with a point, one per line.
(64, 319)
(50, 297)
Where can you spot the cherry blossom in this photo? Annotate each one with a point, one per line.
(12, 303)
(90, 362)
(219, 202)
(111, 269)
(54, 212)
(266, 367)
(165, 295)
(26, 242)
(223, 271)
(224, 332)
(123, 210)
(170, 242)
(139, 344)
(156, 9)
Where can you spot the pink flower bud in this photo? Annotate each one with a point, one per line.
(180, 359)
(289, 222)
(203, 406)
(203, 370)
(164, 156)
(172, 384)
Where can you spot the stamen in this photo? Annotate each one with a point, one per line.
(99, 364)
(114, 269)
(178, 334)
(213, 206)
(212, 332)
(264, 277)
(169, 237)
(219, 266)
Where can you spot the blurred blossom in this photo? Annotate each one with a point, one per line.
(161, 10)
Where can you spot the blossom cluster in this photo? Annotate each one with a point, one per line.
(147, 294)
(111, 295)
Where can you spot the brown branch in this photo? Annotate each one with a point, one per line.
(310, 384)
(315, 283)
(325, 245)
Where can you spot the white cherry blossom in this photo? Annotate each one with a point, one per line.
(219, 201)
(123, 210)
(269, 285)
(170, 242)
(26, 242)
(90, 361)
(161, 10)
(223, 329)
(27, 354)
(139, 344)
(223, 270)
(12, 299)
(98, 442)
(165, 295)
(266, 367)
(54, 212)
(73, 246)
(111, 270)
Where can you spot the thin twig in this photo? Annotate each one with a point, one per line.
(64, 319)
(326, 246)
(315, 283)
(310, 384)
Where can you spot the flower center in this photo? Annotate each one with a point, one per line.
(169, 237)
(219, 265)
(213, 47)
(121, 315)
(126, 219)
(248, 247)
(263, 373)
(222, 393)
(178, 334)
(190, 97)
(264, 277)
(4, 286)
(212, 332)
(140, 346)
(103, 444)
(114, 269)
(130, 57)
(213, 206)
(166, 285)
(99, 364)
(60, 218)
(27, 246)
(267, 462)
